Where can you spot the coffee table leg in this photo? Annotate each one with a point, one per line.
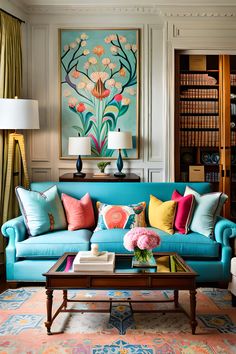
(176, 298)
(48, 323)
(65, 299)
(193, 321)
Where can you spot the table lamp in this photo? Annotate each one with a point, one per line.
(79, 145)
(18, 114)
(119, 140)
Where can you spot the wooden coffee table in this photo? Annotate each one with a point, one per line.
(171, 273)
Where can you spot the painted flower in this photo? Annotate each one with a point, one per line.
(92, 60)
(67, 93)
(131, 91)
(122, 72)
(128, 46)
(84, 36)
(95, 76)
(107, 39)
(81, 85)
(98, 50)
(83, 43)
(111, 82)
(125, 101)
(122, 39)
(73, 45)
(118, 97)
(86, 65)
(106, 61)
(66, 47)
(81, 107)
(112, 66)
(100, 91)
(75, 74)
(113, 37)
(86, 52)
(134, 47)
(114, 49)
(90, 86)
(72, 101)
(118, 85)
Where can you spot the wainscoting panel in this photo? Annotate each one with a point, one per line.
(41, 174)
(155, 175)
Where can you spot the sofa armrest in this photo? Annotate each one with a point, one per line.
(224, 230)
(14, 229)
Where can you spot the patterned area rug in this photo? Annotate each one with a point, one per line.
(23, 312)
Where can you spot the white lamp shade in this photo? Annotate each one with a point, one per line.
(79, 145)
(119, 140)
(18, 114)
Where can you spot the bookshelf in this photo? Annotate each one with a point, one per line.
(205, 121)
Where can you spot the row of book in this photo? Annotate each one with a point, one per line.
(233, 108)
(206, 122)
(197, 79)
(233, 79)
(199, 93)
(199, 138)
(199, 106)
(212, 176)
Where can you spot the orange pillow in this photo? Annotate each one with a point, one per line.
(79, 213)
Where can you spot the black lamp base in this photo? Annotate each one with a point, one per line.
(120, 174)
(79, 174)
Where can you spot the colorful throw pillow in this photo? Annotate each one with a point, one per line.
(208, 207)
(162, 214)
(184, 212)
(42, 212)
(79, 213)
(120, 216)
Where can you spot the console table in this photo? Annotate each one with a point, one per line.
(90, 177)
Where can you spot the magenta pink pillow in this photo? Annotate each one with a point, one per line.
(184, 211)
(79, 213)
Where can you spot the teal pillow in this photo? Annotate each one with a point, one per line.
(208, 207)
(42, 212)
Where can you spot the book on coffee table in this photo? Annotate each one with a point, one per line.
(87, 256)
(105, 266)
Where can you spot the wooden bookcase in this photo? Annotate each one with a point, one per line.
(205, 121)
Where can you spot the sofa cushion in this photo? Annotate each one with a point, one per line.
(193, 244)
(79, 213)
(54, 244)
(161, 214)
(42, 212)
(120, 216)
(208, 207)
(185, 207)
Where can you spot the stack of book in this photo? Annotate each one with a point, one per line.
(85, 261)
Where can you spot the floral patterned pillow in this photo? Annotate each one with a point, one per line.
(120, 216)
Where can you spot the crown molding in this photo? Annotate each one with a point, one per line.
(163, 11)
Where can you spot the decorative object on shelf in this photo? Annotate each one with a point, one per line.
(215, 158)
(95, 249)
(119, 140)
(18, 114)
(206, 158)
(80, 145)
(141, 241)
(196, 173)
(187, 157)
(102, 165)
(99, 86)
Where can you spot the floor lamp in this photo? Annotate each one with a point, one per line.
(17, 114)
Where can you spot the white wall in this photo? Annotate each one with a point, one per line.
(163, 29)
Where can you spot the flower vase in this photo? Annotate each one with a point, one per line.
(143, 258)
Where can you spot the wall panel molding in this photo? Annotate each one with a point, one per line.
(41, 174)
(155, 175)
(40, 142)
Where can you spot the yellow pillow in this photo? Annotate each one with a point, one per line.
(162, 214)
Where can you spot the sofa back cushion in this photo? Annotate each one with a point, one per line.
(184, 212)
(162, 214)
(42, 211)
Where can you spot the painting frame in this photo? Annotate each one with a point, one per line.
(123, 100)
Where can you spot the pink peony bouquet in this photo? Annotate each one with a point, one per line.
(141, 241)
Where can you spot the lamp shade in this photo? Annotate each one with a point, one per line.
(79, 145)
(119, 140)
(18, 114)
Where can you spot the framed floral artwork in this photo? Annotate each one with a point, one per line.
(99, 87)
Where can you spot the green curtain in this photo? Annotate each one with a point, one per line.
(10, 86)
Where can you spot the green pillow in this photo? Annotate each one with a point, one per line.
(42, 212)
(208, 207)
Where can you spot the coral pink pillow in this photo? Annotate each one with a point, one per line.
(79, 213)
(184, 211)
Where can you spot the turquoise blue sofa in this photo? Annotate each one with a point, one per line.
(27, 258)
